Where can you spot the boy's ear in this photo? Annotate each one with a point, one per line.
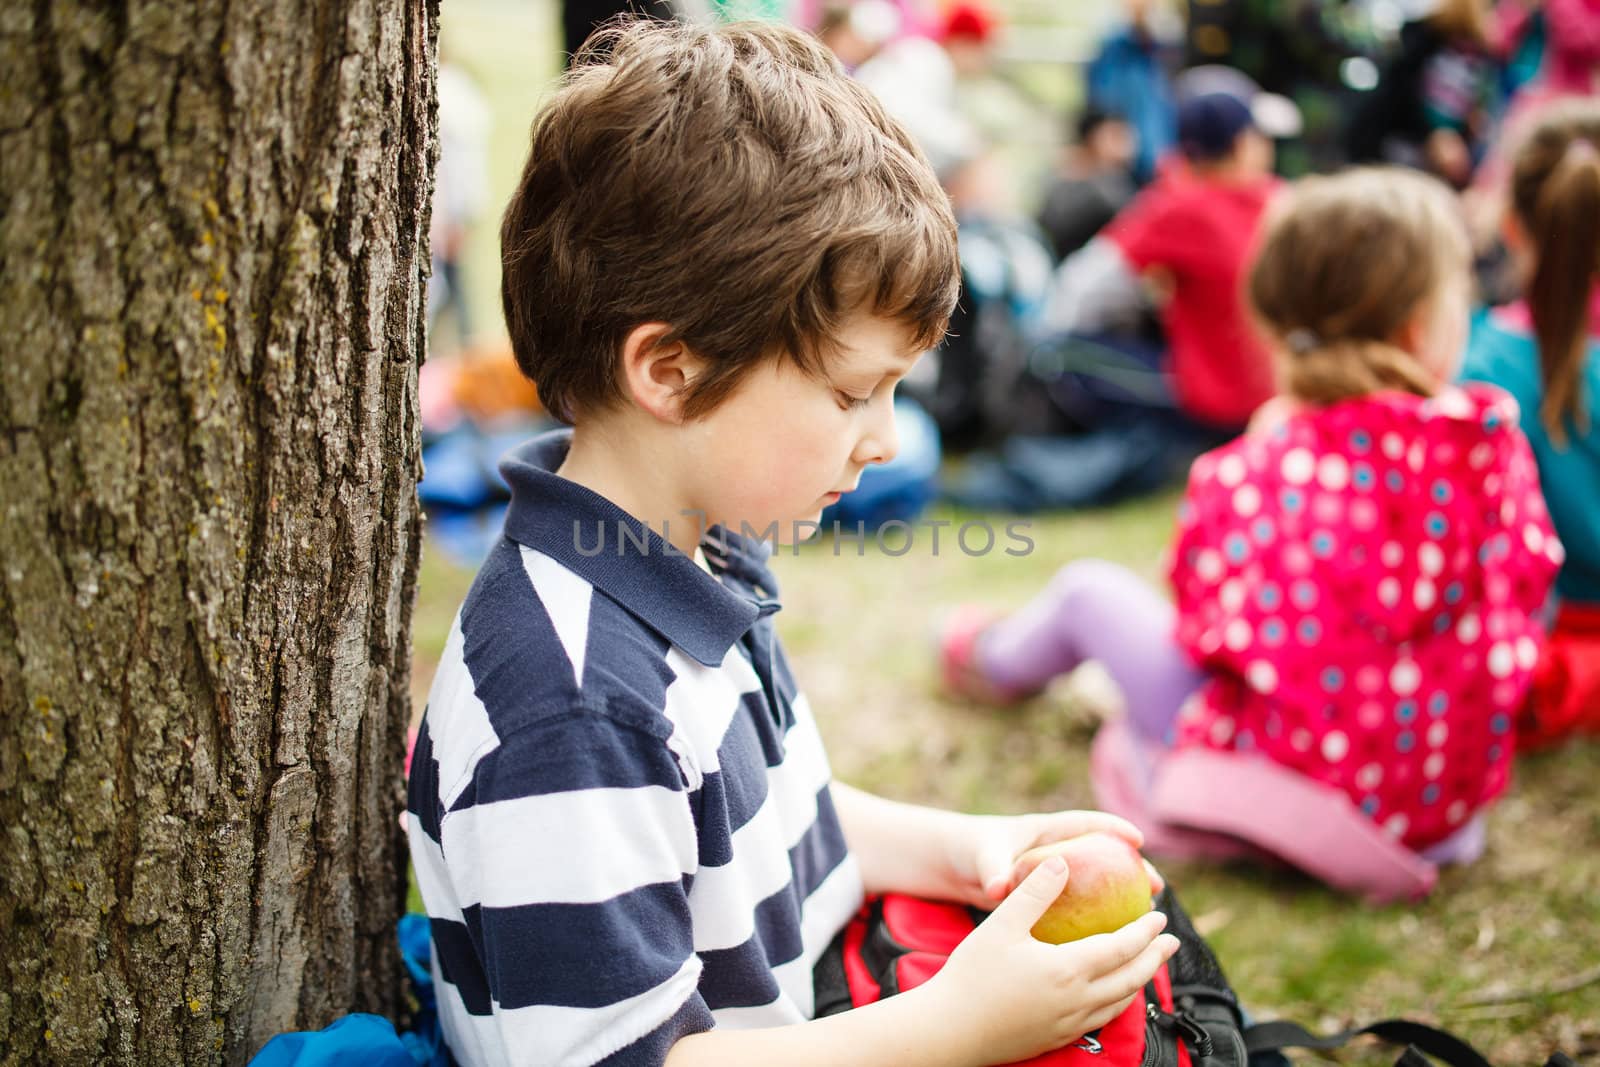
(657, 371)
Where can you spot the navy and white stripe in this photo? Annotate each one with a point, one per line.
(619, 808)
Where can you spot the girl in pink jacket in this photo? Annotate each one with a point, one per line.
(1359, 580)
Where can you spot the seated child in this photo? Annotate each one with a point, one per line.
(1191, 232)
(1358, 579)
(1188, 236)
(721, 258)
(1094, 183)
(1545, 351)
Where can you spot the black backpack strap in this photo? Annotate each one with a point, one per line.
(830, 989)
(1440, 1044)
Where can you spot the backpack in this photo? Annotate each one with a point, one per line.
(1187, 1016)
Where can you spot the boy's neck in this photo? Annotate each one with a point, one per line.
(616, 467)
(1230, 171)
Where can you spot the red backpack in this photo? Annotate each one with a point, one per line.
(1188, 1016)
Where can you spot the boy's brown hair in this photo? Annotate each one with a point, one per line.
(732, 183)
(1555, 192)
(1345, 261)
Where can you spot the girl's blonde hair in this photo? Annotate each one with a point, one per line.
(1462, 18)
(1346, 260)
(1555, 192)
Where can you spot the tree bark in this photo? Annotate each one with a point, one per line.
(213, 222)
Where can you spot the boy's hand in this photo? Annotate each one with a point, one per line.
(996, 843)
(1016, 996)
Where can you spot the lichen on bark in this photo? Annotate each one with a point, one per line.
(213, 235)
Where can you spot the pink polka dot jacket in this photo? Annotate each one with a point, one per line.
(1364, 584)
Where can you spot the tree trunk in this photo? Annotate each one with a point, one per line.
(213, 224)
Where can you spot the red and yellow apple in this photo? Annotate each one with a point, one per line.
(1107, 887)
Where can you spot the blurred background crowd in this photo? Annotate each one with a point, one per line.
(1109, 166)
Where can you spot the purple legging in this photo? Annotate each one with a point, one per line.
(1102, 611)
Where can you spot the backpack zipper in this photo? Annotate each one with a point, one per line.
(1160, 1047)
(1180, 1023)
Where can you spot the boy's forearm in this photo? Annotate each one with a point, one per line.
(913, 1029)
(905, 848)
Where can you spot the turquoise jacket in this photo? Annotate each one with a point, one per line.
(1508, 356)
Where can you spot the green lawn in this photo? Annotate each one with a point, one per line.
(1518, 926)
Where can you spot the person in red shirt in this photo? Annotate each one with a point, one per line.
(1190, 234)
(1147, 413)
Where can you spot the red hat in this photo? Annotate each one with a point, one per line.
(970, 20)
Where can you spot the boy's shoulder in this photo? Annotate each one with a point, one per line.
(538, 641)
(581, 607)
(507, 701)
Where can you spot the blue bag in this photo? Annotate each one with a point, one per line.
(365, 1040)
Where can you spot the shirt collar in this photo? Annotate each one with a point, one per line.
(618, 554)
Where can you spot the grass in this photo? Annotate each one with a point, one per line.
(1523, 920)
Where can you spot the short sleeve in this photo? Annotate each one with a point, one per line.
(569, 854)
(1522, 544)
(1153, 232)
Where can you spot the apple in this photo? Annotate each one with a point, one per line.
(1107, 887)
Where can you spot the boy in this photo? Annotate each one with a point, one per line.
(1192, 233)
(720, 259)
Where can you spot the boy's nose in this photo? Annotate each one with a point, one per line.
(881, 442)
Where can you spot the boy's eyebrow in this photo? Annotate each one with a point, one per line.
(877, 373)
(899, 363)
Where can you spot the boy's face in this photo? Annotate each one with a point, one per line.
(1112, 144)
(785, 445)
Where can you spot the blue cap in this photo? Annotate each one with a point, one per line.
(1210, 123)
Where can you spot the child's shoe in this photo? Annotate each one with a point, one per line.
(958, 664)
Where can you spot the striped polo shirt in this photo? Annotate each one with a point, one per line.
(619, 810)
